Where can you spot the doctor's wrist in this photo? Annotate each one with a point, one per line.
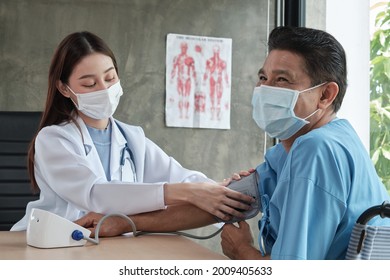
(177, 193)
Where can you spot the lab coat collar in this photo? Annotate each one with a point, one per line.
(89, 147)
(86, 138)
(117, 139)
(118, 142)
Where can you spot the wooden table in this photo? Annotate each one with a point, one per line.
(13, 246)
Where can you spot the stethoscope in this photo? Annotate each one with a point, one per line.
(123, 161)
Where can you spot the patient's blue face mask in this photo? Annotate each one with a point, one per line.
(273, 110)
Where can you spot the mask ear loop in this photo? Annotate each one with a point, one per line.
(311, 114)
(87, 147)
(309, 90)
(75, 104)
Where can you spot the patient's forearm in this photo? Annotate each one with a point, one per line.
(174, 218)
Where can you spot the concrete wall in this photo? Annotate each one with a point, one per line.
(136, 31)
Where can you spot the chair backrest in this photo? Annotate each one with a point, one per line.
(369, 242)
(17, 130)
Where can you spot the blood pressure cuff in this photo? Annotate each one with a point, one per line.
(247, 185)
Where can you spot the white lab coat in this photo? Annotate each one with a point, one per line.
(72, 180)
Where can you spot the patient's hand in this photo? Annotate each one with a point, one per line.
(237, 176)
(243, 173)
(112, 226)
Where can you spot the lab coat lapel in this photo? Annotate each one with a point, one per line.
(118, 142)
(90, 151)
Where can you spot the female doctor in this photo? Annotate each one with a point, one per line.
(84, 160)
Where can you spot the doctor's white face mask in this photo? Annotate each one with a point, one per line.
(273, 110)
(99, 104)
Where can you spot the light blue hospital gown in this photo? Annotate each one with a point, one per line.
(312, 196)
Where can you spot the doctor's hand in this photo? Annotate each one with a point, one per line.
(237, 242)
(112, 226)
(216, 199)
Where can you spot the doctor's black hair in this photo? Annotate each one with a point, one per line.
(323, 55)
(58, 108)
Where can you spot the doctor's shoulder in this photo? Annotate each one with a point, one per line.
(54, 136)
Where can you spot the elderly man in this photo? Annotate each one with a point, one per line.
(319, 178)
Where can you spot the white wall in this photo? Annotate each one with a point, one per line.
(348, 21)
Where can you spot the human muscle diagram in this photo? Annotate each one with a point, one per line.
(198, 89)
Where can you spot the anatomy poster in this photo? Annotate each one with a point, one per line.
(198, 81)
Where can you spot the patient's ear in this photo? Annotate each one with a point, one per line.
(329, 93)
(63, 88)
